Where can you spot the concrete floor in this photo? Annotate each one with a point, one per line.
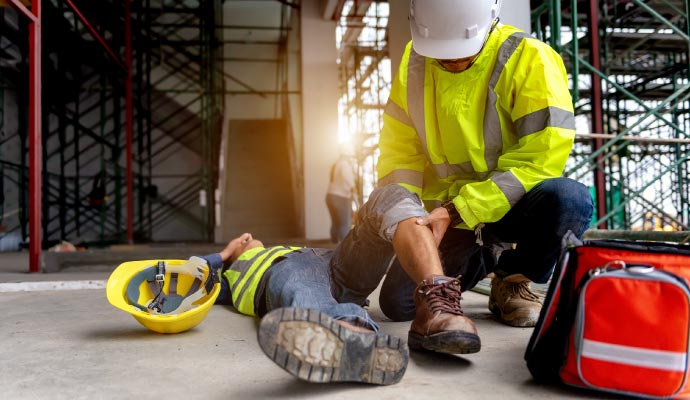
(72, 344)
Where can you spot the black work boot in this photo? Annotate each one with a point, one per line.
(439, 324)
(315, 347)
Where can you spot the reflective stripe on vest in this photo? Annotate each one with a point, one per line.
(408, 176)
(244, 276)
(493, 133)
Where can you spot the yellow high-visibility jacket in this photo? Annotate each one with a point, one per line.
(483, 137)
(244, 276)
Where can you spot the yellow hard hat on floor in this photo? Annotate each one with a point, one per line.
(166, 296)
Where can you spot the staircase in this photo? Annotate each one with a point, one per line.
(258, 195)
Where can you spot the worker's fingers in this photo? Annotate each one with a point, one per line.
(438, 229)
(437, 215)
(437, 222)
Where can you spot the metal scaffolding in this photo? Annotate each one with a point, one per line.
(365, 81)
(124, 86)
(31, 55)
(630, 82)
(132, 115)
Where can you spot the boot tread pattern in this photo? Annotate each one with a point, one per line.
(314, 347)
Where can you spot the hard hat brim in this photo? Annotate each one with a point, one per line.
(447, 49)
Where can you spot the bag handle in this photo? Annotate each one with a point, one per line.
(637, 269)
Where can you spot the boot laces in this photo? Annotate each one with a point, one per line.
(444, 297)
(522, 290)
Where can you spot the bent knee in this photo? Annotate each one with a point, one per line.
(397, 312)
(389, 205)
(568, 194)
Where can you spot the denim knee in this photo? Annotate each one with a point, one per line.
(396, 298)
(389, 205)
(396, 311)
(572, 200)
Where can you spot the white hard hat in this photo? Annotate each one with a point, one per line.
(451, 29)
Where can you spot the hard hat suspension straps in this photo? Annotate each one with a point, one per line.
(168, 302)
(157, 288)
(174, 303)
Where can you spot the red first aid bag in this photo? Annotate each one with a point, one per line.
(616, 318)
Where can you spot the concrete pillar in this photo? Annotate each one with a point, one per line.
(320, 115)
(517, 14)
(398, 32)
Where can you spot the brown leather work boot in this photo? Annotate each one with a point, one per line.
(513, 302)
(439, 324)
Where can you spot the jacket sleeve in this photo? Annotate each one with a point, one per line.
(535, 105)
(402, 158)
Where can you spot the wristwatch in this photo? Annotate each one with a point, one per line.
(455, 217)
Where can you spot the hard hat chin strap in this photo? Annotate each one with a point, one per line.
(159, 298)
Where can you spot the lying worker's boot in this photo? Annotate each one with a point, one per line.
(439, 324)
(513, 302)
(315, 347)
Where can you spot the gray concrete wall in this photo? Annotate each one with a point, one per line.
(258, 75)
(517, 13)
(257, 197)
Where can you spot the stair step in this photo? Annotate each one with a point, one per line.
(258, 196)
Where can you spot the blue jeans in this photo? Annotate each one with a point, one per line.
(301, 279)
(340, 209)
(536, 224)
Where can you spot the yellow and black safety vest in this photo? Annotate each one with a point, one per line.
(244, 276)
(483, 137)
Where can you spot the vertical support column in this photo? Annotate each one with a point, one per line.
(141, 133)
(146, 11)
(128, 120)
(597, 115)
(35, 138)
(575, 48)
(207, 33)
(398, 32)
(517, 14)
(320, 114)
(75, 144)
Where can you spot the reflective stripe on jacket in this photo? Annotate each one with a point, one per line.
(483, 137)
(244, 276)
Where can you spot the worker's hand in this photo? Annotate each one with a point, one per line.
(234, 245)
(437, 221)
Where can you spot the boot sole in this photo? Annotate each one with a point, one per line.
(518, 321)
(451, 342)
(312, 346)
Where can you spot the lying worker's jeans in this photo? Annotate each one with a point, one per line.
(301, 280)
(536, 224)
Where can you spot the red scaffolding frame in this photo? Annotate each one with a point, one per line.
(35, 126)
